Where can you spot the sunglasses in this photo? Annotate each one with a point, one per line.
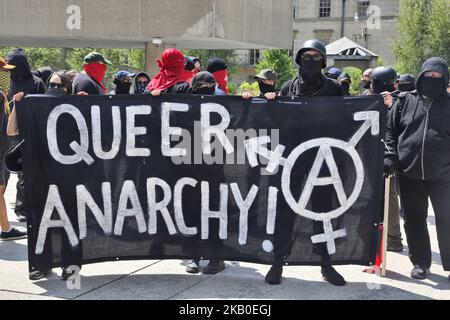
(308, 57)
(53, 85)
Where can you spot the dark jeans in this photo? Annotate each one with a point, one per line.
(20, 207)
(414, 198)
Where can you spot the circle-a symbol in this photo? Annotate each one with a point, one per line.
(300, 208)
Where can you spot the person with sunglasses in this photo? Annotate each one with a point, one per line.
(139, 83)
(310, 81)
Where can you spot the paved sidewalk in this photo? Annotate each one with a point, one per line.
(157, 279)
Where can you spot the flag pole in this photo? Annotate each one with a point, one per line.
(387, 184)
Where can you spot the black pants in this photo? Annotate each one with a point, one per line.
(20, 207)
(414, 198)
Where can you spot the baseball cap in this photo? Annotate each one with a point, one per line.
(267, 74)
(95, 57)
(122, 74)
(4, 65)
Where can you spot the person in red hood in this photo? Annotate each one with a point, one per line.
(170, 77)
(218, 68)
(90, 80)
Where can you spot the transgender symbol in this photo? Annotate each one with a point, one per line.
(324, 154)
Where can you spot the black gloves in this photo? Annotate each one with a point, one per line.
(389, 167)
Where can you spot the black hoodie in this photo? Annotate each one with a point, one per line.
(22, 80)
(418, 131)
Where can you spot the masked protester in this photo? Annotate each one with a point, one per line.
(346, 81)
(170, 77)
(189, 71)
(90, 80)
(7, 232)
(43, 73)
(122, 81)
(204, 83)
(365, 82)
(139, 83)
(418, 149)
(383, 82)
(218, 68)
(59, 84)
(266, 82)
(309, 82)
(22, 81)
(406, 82)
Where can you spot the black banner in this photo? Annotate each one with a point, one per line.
(176, 177)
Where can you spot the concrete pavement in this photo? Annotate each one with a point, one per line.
(162, 280)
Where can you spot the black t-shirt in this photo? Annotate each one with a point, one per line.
(85, 83)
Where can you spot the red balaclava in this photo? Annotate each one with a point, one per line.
(172, 69)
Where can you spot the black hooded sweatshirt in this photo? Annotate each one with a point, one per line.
(418, 131)
(319, 85)
(22, 80)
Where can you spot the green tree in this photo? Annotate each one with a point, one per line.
(355, 74)
(424, 31)
(40, 57)
(279, 61)
(253, 88)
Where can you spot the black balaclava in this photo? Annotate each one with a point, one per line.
(203, 83)
(433, 87)
(123, 87)
(265, 88)
(22, 70)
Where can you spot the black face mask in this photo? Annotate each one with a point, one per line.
(56, 91)
(431, 87)
(206, 90)
(123, 88)
(404, 87)
(379, 87)
(265, 88)
(311, 68)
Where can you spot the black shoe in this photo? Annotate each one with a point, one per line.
(39, 274)
(332, 276)
(14, 234)
(66, 274)
(419, 273)
(193, 266)
(274, 274)
(214, 266)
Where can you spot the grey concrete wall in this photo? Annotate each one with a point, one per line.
(132, 23)
(380, 40)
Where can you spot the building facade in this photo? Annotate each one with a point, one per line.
(370, 23)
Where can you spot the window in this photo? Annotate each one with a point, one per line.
(363, 5)
(254, 57)
(325, 8)
(323, 36)
(296, 9)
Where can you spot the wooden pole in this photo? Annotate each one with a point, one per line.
(387, 184)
